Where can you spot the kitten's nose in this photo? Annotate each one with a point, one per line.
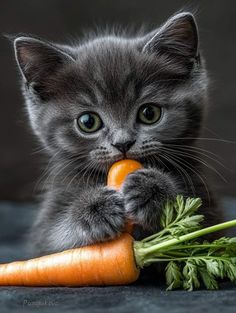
(124, 146)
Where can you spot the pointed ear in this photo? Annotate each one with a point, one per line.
(177, 37)
(37, 59)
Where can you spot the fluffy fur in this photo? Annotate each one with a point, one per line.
(113, 75)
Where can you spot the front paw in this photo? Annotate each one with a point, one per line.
(144, 192)
(104, 215)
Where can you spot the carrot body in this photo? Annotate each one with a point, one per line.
(117, 175)
(107, 263)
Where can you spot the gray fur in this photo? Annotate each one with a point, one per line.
(144, 192)
(113, 75)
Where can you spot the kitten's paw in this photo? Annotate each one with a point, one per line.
(105, 215)
(144, 192)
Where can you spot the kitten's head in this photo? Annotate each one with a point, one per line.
(115, 96)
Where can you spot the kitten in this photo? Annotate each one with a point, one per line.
(108, 98)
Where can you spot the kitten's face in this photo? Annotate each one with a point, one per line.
(114, 97)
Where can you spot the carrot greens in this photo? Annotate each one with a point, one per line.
(190, 263)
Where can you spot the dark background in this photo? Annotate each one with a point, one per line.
(58, 20)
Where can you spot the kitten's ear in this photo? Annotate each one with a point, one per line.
(37, 59)
(177, 37)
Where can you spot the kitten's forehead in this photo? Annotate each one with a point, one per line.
(108, 50)
(113, 73)
(109, 60)
(107, 70)
(115, 68)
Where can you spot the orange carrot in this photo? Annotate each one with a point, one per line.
(119, 171)
(108, 263)
(117, 175)
(115, 262)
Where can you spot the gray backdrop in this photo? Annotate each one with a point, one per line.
(58, 20)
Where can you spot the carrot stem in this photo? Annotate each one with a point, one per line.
(144, 255)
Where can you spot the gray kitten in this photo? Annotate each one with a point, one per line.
(112, 97)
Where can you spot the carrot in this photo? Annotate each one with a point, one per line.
(119, 171)
(118, 262)
(108, 263)
(117, 175)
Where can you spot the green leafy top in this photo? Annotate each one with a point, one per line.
(177, 214)
(190, 263)
(178, 218)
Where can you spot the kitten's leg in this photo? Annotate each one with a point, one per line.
(70, 220)
(145, 191)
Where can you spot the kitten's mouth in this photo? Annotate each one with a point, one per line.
(132, 156)
(128, 156)
(108, 160)
(144, 156)
(119, 157)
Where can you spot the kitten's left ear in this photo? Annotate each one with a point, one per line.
(177, 37)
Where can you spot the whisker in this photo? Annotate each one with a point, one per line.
(92, 173)
(198, 150)
(203, 162)
(183, 173)
(45, 171)
(92, 162)
(203, 138)
(39, 150)
(189, 166)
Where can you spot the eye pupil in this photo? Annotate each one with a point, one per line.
(87, 120)
(149, 113)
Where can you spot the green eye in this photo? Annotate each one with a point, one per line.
(149, 114)
(89, 122)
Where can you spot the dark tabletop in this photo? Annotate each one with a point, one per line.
(144, 296)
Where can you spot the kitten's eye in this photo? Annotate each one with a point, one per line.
(149, 114)
(89, 122)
